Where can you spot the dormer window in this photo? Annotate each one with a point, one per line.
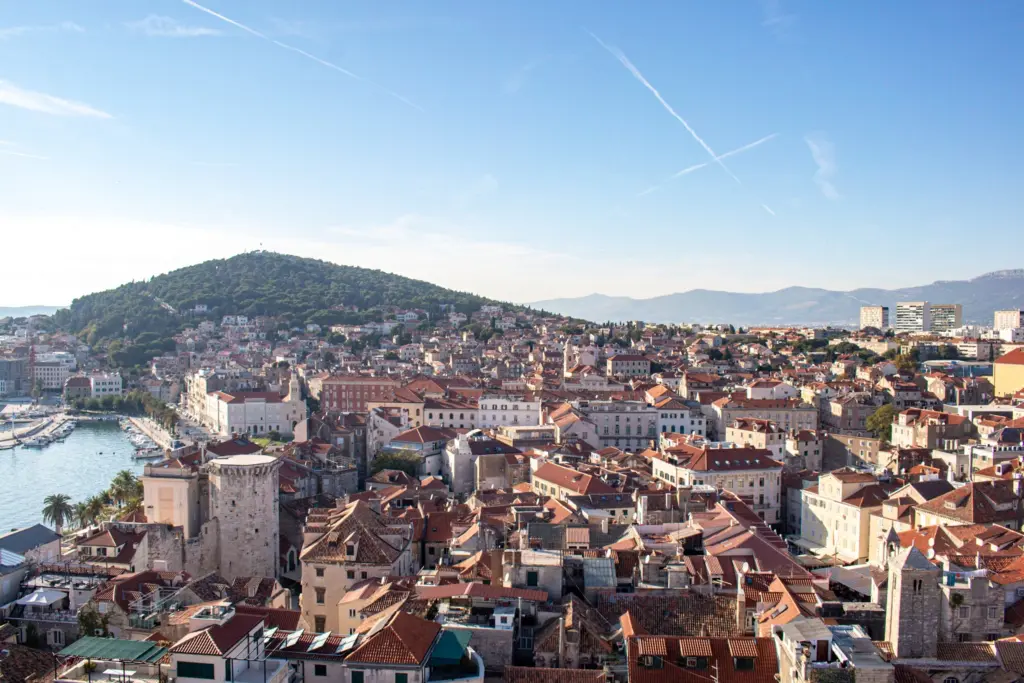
(743, 663)
(350, 550)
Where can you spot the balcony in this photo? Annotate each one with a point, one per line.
(276, 672)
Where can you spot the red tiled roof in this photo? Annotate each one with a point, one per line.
(479, 590)
(406, 639)
(218, 640)
(571, 479)
(1015, 357)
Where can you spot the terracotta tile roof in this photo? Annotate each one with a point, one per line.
(975, 503)
(571, 479)
(479, 590)
(1011, 655)
(966, 652)
(220, 639)
(674, 667)
(356, 524)
(684, 614)
(1015, 357)
(530, 674)
(404, 639)
(22, 663)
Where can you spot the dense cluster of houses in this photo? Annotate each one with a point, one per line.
(543, 501)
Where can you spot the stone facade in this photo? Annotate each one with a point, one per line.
(913, 604)
(244, 501)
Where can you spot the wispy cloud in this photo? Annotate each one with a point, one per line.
(697, 167)
(824, 154)
(307, 55)
(166, 27)
(46, 104)
(64, 26)
(481, 187)
(768, 209)
(776, 18)
(618, 54)
(517, 80)
(5, 149)
(26, 155)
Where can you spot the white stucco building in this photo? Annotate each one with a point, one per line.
(497, 410)
(105, 384)
(254, 412)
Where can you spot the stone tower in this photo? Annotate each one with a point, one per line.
(914, 599)
(244, 505)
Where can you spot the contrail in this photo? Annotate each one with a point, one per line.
(618, 54)
(768, 209)
(12, 153)
(318, 60)
(695, 167)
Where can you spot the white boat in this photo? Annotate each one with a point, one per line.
(37, 442)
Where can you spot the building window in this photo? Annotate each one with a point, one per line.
(196, 670)
(965, 612)
(357, 677)
(319, 669)
(320, 592)
(352, 614)
(532, 579)
(320, 623)
(401, 678)
(320, 571)
(351, 574)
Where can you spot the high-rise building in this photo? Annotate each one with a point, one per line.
(874, 316)
(946, 317)
(1008, 320)
(913, 316)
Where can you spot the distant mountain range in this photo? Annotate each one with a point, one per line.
(980, 296)
(26, 311)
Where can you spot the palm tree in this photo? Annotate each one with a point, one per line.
(123, 486)
(57, 510)
(95, 505)
(81, 514)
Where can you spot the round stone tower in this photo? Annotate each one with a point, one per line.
(243, 500)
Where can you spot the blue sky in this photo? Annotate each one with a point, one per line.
(519, 150)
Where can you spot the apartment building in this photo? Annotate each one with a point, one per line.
(105, 384)
(502, 410)
(343, 546)
(874, 316)
(627, 425)
(52, 375)
(946, 317)
(352, 393)
(836, 514)
(628, 366)
(1008, 320)
(913, 316)
(763, 434)
(788, 414)
(1008, 373)
(751, 473)
(917, 428)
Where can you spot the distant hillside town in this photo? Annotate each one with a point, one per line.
(466, 490)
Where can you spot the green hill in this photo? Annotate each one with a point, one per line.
(299, 290)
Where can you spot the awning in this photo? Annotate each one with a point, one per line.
(810, 546)
(42, 598)
(114, 650)
(450, 648)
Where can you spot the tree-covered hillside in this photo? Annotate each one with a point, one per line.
(300, 290)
